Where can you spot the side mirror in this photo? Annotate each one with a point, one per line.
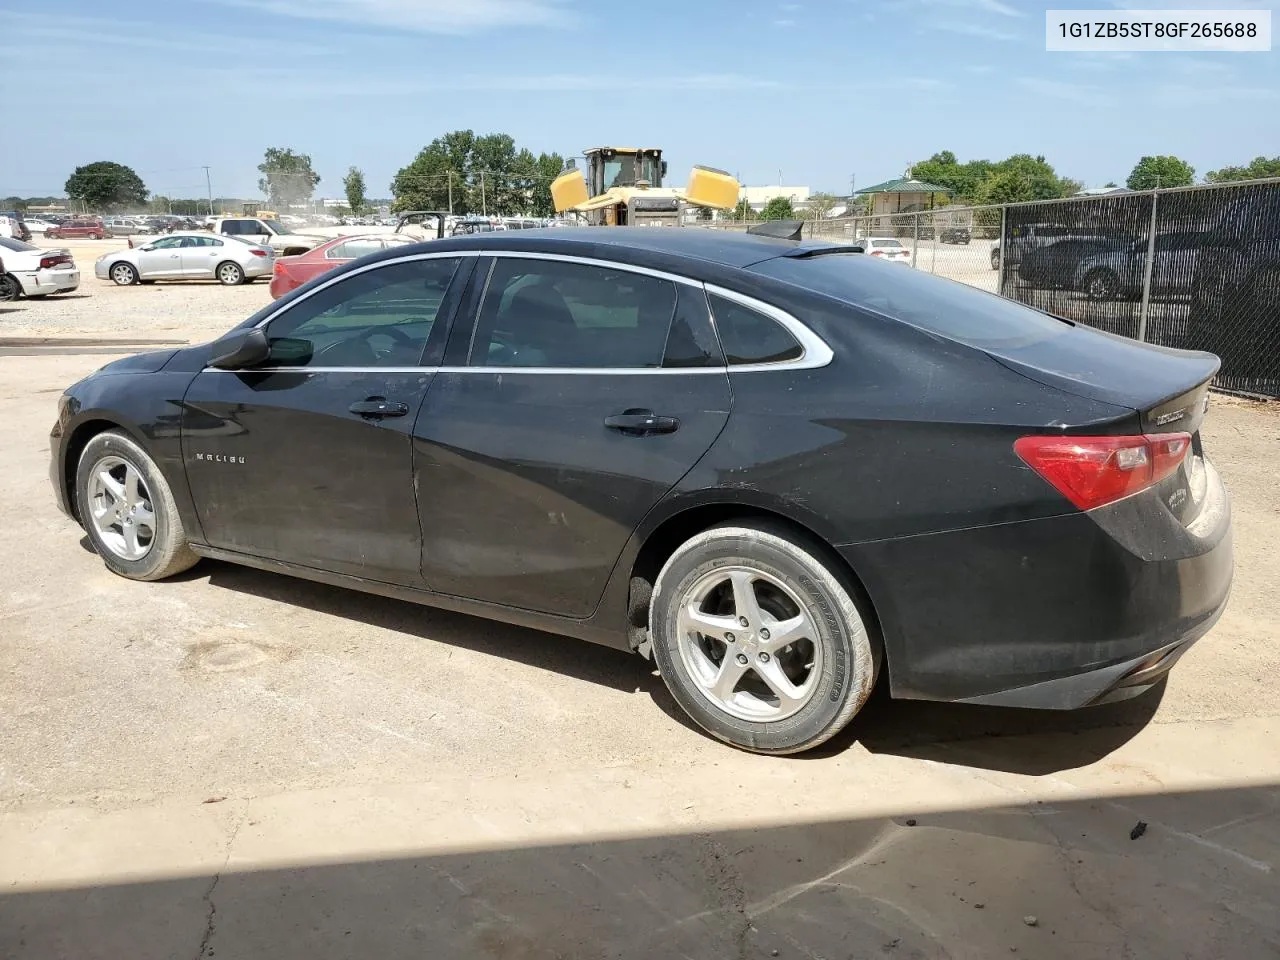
(240, 349)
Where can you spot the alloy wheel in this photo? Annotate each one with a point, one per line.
(122, 274)
(120, 508)
(749, 644)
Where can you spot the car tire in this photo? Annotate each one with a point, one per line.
(51, 234)
(117, 485)
(763, 574)
(10, 288)
(1100, 285)
(123, 274)
(229, 274)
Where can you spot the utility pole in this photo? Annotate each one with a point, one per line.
(209, 186)
(484, 203)
(450, 175)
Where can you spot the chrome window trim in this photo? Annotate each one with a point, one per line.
(814, 350)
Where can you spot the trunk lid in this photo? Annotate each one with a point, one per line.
(1167, 387)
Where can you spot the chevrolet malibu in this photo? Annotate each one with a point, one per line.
(779, 469)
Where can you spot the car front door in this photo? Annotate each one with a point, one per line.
(306, 458)
(160, 258)
(577, 399)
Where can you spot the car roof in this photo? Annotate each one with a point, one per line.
(722, 247)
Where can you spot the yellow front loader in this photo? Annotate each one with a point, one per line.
(623, 187)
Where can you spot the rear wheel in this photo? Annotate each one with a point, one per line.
(229, 274)
(10, 288)
(1101, 285)
(758, 640)
(123, 274)
(128, 510)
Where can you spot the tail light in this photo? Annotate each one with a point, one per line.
(1092, 471)
(258, 253)
(130, 242)
(47, 262)
(877, 253)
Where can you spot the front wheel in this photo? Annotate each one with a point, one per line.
(124, 275)
(230, 274)
(128, 510)
(1101, 285)
(758, 640)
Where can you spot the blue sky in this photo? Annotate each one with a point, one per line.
(817, 90)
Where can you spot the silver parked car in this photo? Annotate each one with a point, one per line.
(188, 256)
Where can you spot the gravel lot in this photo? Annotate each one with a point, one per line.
(239, 764)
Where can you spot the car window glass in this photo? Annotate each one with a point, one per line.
(545, 313)
(166, 243)
(945, 307)
(379, 318)
(354, 249)
(748, 336)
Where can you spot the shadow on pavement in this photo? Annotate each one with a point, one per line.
(1036, 881)
(993, 737)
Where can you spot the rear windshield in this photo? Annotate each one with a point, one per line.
(954, 310)
(886, 243)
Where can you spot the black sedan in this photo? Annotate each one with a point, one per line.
(780, 469)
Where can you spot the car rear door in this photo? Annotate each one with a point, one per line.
(306, 458)
(577, 397)
(200, 255)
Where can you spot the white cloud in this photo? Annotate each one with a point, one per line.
(973, 30)
(975, 6)
(784, 23)
(421, 16)
(1058, 89)
(980, 68)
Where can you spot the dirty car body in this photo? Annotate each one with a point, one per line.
(1020, 506)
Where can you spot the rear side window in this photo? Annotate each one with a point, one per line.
(945, 307)
(748, 336)
(544, 313)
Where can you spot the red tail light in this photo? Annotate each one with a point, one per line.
(47, 262)
(877, 253)
(258, 253)
(1092, 471)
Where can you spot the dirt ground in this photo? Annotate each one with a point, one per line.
(236, 764)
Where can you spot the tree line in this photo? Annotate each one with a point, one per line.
(469, 173)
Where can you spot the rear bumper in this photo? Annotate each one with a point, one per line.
(1055, 613)
(38, 283)
(260, 267)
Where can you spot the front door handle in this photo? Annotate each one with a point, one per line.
(378, 408)
(638, 423)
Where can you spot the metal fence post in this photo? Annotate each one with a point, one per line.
(915, 238)
(1003, 246)
(1146, 269)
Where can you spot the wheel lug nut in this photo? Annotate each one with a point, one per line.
(729, 638)
(764, 658)
(742, 659)
(764, 634)
(744, 622)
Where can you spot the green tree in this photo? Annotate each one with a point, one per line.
(1019, 177)
(549, 166)
(105, 186)
(1111, 184)
(15, 203)
(287, 177)
(353, 184)
(1259, 168)
(1161, 171)
(743, 211)
(778, 208)
(481, 174)
(819, 205)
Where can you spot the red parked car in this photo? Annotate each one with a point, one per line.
(79, 228)
(292, 272)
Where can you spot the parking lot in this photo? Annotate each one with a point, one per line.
(239, 764)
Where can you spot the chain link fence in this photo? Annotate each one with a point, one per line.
(1195, 267)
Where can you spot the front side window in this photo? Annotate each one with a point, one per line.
(546, 313)
(379, 318)
(167, 243)
(748, 336)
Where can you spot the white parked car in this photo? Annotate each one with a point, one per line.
(188, 256)
(38, 227)
(885, 248)
(32, 272)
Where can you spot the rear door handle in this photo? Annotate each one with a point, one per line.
(638, 423)
(378, 408)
